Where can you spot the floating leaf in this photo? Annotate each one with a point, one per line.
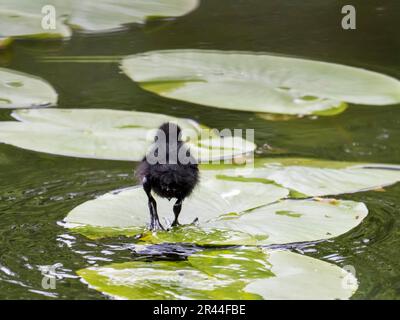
(23, 18)
(224, 274)
(107, 134)
(318, 178)
(104, 15)
(210, 200)
(21, 90)
(258, 82)
(228, 213)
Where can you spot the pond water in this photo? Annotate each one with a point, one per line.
(38, 190)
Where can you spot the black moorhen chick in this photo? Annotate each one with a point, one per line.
(165, 171)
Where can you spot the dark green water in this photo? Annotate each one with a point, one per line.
(38, 190)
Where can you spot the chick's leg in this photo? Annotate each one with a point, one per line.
(177, 211)
(154, 220)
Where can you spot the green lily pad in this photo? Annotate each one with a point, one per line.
(21, 90)
(319, 178)
(234, 213)
(98, 218)
(258, 82)
(23, 18)
(107, 134)
(104, 15)
(224, 274)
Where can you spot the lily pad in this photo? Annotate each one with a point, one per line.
(258, 82)
(233, 213)
(224, 274)
(317, 178)
(23, 18)
(98, 218)
(108, 134)
(104, 15)
(21, 90)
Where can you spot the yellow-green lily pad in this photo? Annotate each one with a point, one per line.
(224, 274)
